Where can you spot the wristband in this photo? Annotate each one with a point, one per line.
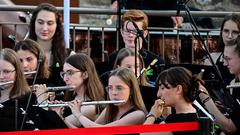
(151, 115)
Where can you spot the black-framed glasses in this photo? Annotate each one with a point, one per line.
(68, 73)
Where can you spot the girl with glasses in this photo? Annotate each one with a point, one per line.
(122, 85)
(79, 71)
(15, 94)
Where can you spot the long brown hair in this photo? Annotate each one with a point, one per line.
(233, 17)
(94, 87)
(58, 49)
(128, 78)
(35, 49)
(20, 86)
(125, 52)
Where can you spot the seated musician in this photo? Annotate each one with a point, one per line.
(31, 55)
(231, 124)
(129, 32)
(126, 58)
(15, 94)
(79, 72)
(177, 89)
(122, 85)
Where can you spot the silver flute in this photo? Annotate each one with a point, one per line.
(235, 85)
(46, 105)
(6, 83)
(30, 72)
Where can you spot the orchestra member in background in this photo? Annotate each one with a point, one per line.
(31, 55)
(178, 88)
(229, 31)
(129, 32)
(46, 28)
(79, 72)
(122, 85)
(126, 58)
(231, 124)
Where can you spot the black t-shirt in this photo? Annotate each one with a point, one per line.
(183, 117)
(12, 107)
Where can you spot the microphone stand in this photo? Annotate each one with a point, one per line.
(30, 96)
(191, 19)
(121, 4)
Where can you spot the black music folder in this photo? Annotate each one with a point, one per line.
(45, 119)
(37, 118)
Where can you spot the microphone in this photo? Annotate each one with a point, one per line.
(60, 88)
(110, 20)
(140, 32)
(179, 6)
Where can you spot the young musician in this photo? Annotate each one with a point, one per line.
(122, 85)
(129, 32)
(14, 95)
(79, 72)
(178, 88)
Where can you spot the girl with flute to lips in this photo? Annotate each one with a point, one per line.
(79, 72)
(122, 85)
(30, 55)
(177, 89)
(15, 93)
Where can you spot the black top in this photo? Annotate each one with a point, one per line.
(183, 117)
(11, 108)
(129, 111)
(235, 106)
(148, 57)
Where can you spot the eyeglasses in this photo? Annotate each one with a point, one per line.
(234, 33)
(6, 72)
(68, 73)
(117, 88)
